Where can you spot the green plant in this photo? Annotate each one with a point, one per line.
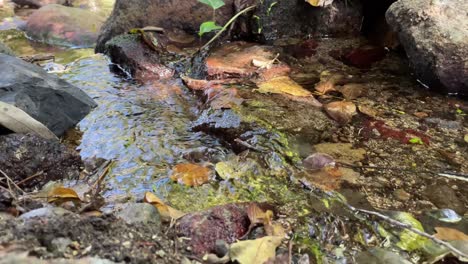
(209, 26)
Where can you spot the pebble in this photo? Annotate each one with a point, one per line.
(45, 212)
(133, 213)
(401, 195)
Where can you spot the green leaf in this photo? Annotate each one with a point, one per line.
(416, 140)
(215, 4)
(208, 26)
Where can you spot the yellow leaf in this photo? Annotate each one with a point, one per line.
(190, 174)
(167, 213)
(61, 195)
(283, 85)
(255, 251)
(256, 214)
(313, 2)
(275, 229)
(448, 234)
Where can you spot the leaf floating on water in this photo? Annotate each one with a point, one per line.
(60, 195)
(341, 111)
(255, 251)
(190, 174)
(167, 213)
(449, 234)
(19, 121)
(283, 85)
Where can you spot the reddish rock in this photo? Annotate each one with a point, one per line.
(61, 25)
(226, 222)
(362, 57)
(235, 60)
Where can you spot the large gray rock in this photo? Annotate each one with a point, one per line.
(47, 98)
(435, 37)
(184, 14)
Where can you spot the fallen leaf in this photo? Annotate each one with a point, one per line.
(167, 213)
(275, 229)
(283, 85)
(368, 111)
(466, 138)
(257, 215)
(448, 234)
(255, 251)
(416, 140)
(60, 195)
(190, 174)
(318, 161)
(319, 2)
(324, 87)
(19, 121)
(223, 98)
(352, 91)
(341, 111)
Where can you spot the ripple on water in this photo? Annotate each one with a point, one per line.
(145, 130)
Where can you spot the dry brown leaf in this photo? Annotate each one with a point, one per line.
(190, 174)
(368, 111)
(256, 214)
(449, 234)
(283, 85)
(61, 195)
(167, 213)
(324, 87)
(275, 229)
(255, 251)
(352, 91)
(341, 111)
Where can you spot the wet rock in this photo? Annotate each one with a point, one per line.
(378, 256)
(185, 15)
(284, 19)
(137, 59)
(59, 245)
(343, 152)
(6, 50)
(444, 197)
(362, 57)
(40, 3)
(45, 97)
(46, 212)
(22, 156)
(61, 25)
(227, 222)
(434, 36)
(139, 213)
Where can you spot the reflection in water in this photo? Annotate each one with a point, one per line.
(145, 129)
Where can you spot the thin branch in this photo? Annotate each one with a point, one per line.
(11, 181)
(227, 25)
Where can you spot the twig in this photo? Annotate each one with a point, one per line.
(249, 146)
(412, 229)
(455, 176)
(290, 251)
(9, 180)
(102, 176)
(226, 26)
(30, 178)
(397, 223)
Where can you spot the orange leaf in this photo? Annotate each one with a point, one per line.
(448, 234)
(325, 87)
(61, 195)
(167, 213)
(190, 174)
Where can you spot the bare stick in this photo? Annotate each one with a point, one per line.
(227, 25)
(12, 182)
(30, 178)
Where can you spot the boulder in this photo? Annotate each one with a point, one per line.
(434, 36)
(45, 97)
(67, 26)
(183, 14)
(25, 155)
(40, 3)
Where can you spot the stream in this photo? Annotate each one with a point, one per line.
(146, 130)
